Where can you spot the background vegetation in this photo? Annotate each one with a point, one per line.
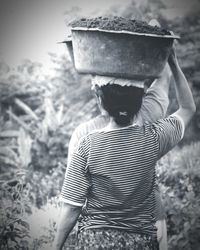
(38, 115)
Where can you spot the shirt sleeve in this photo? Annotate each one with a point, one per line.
(168, 132)
(76, 136)
(76, 181)
(154, 105)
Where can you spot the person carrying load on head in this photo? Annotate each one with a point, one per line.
(111, 178)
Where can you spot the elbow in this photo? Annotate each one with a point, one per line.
(190, 110)
(193, 108)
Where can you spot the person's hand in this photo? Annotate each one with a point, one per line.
(172, 56)
(172, 59)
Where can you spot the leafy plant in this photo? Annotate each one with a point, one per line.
(14, 229)
(179, 179)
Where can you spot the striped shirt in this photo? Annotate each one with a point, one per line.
(154, 107)
(112, 173)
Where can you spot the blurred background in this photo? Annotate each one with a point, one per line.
(42, 99)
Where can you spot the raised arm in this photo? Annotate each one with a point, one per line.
(155, 102)
(185, 99)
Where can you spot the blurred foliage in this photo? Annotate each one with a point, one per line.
(179, 178)
(39, 113)
(14, 196)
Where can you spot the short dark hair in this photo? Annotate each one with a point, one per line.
(121, 102)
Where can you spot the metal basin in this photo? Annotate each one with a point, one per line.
(120, 54)
(69, 46)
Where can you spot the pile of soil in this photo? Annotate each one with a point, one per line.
(119, 24)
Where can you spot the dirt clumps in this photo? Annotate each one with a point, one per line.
(118, 24)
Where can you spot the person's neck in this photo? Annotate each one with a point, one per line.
(113, 125)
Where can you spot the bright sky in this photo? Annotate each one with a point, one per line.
(31, 28)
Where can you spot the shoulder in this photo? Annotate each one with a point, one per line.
(168, 133)
(166, 128)
(172, 122)
(89, 126)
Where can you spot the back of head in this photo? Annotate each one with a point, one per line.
(121, 102)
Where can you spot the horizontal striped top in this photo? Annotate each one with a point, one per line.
(112, 175)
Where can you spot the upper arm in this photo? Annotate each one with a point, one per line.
(156, 101)
(185, 115)
(168, 133)
(80, 131)
(76, 181)
(72, 145)
(155, 104)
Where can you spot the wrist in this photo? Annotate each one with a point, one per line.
(172, 61)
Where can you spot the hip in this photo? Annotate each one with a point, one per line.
(111, 239)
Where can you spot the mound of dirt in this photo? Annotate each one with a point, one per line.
(119, 24)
